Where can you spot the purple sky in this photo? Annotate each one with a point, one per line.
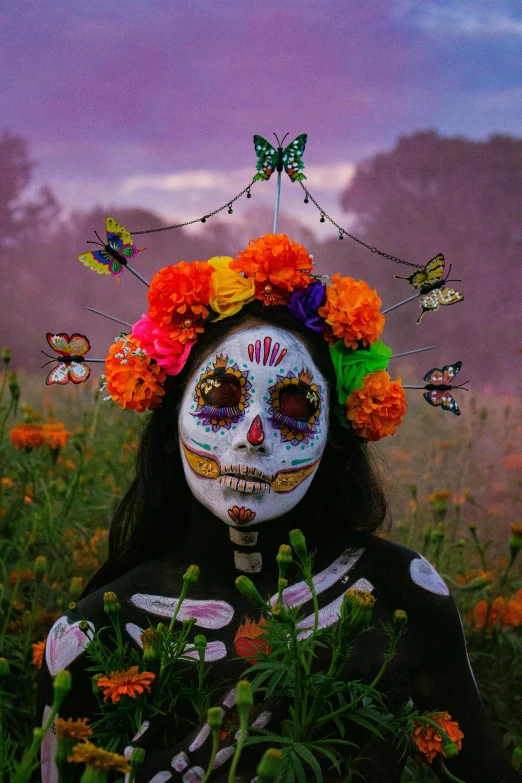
(154, 102)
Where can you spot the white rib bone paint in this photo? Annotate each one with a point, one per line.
(194, 775)
(180, 761)
(208, 614)
(64, 644)
(298, 594)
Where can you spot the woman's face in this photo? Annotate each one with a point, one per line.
(253, 425)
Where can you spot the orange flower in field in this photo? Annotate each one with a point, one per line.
(250, 639)
(7, 481)
(513, 461)
(429, 740)
(126, 683)
(278, 266)
(377, 409)
(133, 380)
(352, 312)
(512, 615)
(72, 729)
(26, 575)
(481, 610)
(38, 651)
(179, 296)
(98, 758)
(27, 436)
(55, 434)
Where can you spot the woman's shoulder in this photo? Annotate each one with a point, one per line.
(404, 576)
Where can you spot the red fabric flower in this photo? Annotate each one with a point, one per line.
(250, 639)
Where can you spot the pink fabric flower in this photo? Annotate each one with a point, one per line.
(171, 355)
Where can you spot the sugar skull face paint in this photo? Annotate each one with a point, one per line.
(253, 426)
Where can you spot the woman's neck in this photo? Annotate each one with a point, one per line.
(224, 552)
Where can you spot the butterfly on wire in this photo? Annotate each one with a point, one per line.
(70, 350)
(430, 282)
(439, 385)
(270, 159)
(115, 252)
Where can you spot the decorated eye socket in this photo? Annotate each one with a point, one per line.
(222, 394)
(298, 402)
(295, 406)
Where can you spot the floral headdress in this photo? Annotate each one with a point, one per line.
(186, 298)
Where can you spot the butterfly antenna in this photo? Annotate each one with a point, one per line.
(49, 356)
(46, 363)
(462, 386)
(90, 242)
(453, 280)
(99, 237)
(284, 137)
(278, 142)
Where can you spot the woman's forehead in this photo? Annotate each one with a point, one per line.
(263, 345)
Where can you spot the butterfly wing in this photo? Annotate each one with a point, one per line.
(439, 296)
(77, 372)
(266, 158)
(438, 397)
(449, 371)
(417, 279)
(75, 345)
(434, 269)
(292, 158)
(99, 261)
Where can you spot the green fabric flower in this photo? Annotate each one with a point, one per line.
(351, 366)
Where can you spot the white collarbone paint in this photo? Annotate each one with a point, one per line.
(253, 426)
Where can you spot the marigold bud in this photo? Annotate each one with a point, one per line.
(472, 528)
(149, 653)
(215, 717)
(413, 490)
(449, 747)
(244, 697)
(461, 543)
(14, 387)
(76, 587)
(200, 642)
(298, 542)
(248, 588)
(40, 567)
(400, 619)
(191, 576)
(516, 758)
(111, 605)
(84, 626)
(284, 558)
(73, 606)
(38, 734)
(62, 684)
(6, 356)
(269, 767)
(515, 542)
(137, 757)
(282, 584)
(356, 610)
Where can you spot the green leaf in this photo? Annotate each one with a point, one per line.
(310, 759)
(363, 722)
(297, 767)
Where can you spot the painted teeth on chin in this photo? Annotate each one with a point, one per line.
(244, 486)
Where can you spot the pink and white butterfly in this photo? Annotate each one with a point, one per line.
(71, 363)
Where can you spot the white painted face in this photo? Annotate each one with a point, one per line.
(253, 425)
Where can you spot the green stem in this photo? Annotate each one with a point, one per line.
(442, 768)
(243, 723)
(178, 607)
(215, 746)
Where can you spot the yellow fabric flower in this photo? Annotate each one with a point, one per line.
(231, 289)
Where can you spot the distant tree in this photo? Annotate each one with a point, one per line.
(463, 198)
(21, 220)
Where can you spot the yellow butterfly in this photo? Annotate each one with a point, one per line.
(114, 254)
(432, 285)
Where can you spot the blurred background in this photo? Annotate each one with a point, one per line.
(146, 111)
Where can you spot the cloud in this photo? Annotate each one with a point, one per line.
(330, 178)
(460, 17)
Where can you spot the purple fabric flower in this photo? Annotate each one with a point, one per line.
(304, 304)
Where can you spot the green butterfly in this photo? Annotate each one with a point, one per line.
(270, 159)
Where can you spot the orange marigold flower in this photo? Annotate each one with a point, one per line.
(278, 266)
(38, 651)
(250, 639)
(133, 380)
(429, 740)
(351, 312)
(27, 436)
(89, 754)
(512, 615)
(516, 531)
(7, 481)
(126, 683)
(23, 576)
(377, 409)
(481, 610)
(72, 729)
(436, 497)
(178, 299)
(55, 434)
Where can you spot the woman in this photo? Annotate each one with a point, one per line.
(246, 446)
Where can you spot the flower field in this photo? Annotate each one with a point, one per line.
(66, 457)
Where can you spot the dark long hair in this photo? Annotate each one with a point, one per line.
(353, 501)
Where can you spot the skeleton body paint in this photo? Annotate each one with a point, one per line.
(241, 423)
